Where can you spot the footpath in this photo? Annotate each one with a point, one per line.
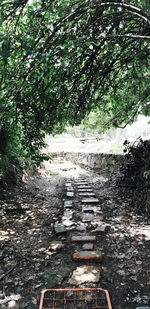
(73, 231)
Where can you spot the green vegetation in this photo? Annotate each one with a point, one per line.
(60, 60)
(136, 174)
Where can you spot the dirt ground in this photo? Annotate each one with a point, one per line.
(28, 262)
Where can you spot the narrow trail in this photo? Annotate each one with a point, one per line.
(72, 230)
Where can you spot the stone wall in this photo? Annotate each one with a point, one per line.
(96, 161)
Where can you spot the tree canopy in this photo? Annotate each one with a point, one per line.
(60, 59)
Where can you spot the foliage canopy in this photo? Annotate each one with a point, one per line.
(60, 59)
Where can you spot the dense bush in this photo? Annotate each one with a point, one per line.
(136, 174)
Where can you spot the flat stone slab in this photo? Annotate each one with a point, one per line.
(70, 194)
(90, 200)
(88, 255)
(85, 190)
(68, 214)
(59, 228)
(68, 222)
(84, 187)
(84, 274)
(93, 208)
(87, 217)
(88, 246)
(87, 194)
(68, 204)
(82, 183)
(83, 238)
(81, 228)
(68, 184)
(70, 189)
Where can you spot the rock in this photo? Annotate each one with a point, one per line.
(81, 228)
(67, 214)
(84, 187)
(90, 200)
(88, 246)
(59, 229)
(70, 194)
(85, 190)
(85, 274)
(68, 204)
(83, 238)
(89, 208)
(68, 222)
(56, 245)
(87, 217)
(12, 304)
(87, 194)
(88, 255)
(68, 184)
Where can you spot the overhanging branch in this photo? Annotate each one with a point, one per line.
(131, 8)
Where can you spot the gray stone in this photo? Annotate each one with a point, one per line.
(88, 246)
(84, 187)
(90, 200)
(89, 208)
(70, 193)
(59, 228)
(85, 190)
(70, 189)
(87, 194)
(68, 222)
(82, 183)
(68, 204)
(67, 214)
(87, 217)
(56, 245)
(81, 228)
(68, 184)
(83, 238)
(84, 274)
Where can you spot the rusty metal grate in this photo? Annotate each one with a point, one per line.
(75, 299)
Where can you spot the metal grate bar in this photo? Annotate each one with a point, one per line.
(75, 299)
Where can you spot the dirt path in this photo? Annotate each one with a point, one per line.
(34, 255)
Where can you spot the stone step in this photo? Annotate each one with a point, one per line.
(84, 238)
(90, 200)
(68, 204)
(68, 214)
(83, 183)
(84, 274)
(88, 217)
(87, 193)
(84, 187)
(88, 255)
(88, 246)
(85, 190)
(70, 194)
(70, 189)
(68, 184)
(89, 208)
(81, 228)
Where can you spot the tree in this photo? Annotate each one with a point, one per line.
(60, 59)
